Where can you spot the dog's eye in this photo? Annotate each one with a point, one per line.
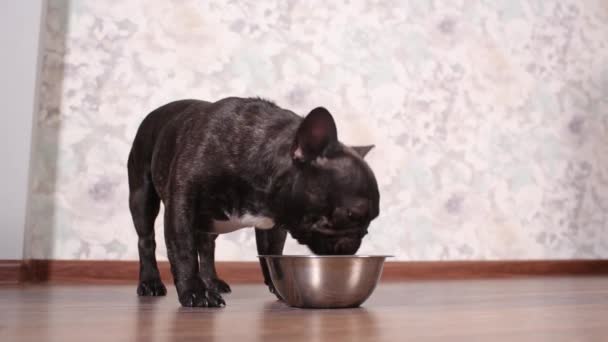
(353, 215)
(347, 215)
(356, 213)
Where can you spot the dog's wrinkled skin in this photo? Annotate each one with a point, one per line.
(209, 162)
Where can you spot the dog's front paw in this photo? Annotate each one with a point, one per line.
(274, 291)
(196, 294)
(217, 284)
(151, 287)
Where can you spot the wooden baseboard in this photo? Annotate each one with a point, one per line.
(97, 271)
(429, 270)
(11, 271)
(86, 271)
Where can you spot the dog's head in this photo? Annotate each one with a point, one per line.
(332, 195)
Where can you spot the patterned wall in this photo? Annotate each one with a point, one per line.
(490, 117)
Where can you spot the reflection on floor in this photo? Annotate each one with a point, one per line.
(531, 309)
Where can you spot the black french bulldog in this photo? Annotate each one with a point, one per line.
(242, 162)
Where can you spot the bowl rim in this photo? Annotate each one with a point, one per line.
(303, 256)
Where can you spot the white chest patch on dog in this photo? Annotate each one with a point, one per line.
(235, 222)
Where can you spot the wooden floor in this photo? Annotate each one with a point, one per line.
(532, 309)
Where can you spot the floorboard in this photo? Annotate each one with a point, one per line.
(529, 309)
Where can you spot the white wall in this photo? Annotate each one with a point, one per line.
(490, 118)
(19, 38)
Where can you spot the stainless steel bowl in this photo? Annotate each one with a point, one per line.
(324, 281)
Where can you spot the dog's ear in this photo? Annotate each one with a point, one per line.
(362, 151)
(316, 133)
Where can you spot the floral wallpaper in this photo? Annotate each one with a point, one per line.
(490, 118)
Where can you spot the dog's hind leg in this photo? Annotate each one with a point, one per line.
(144, 204)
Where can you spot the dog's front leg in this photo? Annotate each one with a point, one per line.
(183, 256)
(206, 252)
(270, 242)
